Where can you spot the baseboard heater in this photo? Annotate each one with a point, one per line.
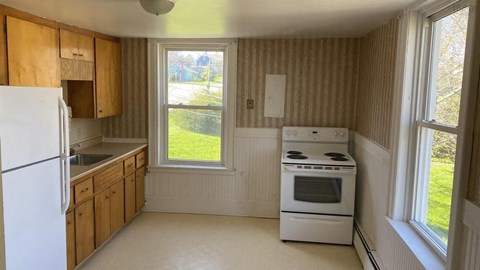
(365, 249)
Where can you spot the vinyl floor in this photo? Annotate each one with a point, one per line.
(187, 241)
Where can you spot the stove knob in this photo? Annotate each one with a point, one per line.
(294, 133)
(288, 132)
(342, 133)
(335, 133)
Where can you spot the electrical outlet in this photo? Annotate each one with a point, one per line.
(249, 104)
(79, 132)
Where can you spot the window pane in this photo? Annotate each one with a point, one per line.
(195, 77)
(438, 181)
(194, 134)
(449, 41)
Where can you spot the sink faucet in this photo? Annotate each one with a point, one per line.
(73, 150)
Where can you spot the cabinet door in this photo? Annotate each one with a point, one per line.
(108, 78)
(84, 230)
(102, 217)
(117, 208)
(85, 48)
(76, 46)
(68, 45)
(70, 218)
(140, 188)
(3, 52)
(130, 208)
(33, 58)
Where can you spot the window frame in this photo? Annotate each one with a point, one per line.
(410, 78)
(158, 85)
(425, 123)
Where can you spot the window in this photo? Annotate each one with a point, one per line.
(437, 125)
(195, 99)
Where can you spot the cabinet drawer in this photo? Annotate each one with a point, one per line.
(83, 190)
(106, 178)
(129, 165)
(140, 159)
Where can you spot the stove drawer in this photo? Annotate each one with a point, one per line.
(316, 228)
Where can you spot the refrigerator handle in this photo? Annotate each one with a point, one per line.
(64, 155)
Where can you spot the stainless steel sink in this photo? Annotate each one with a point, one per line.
(87, 159)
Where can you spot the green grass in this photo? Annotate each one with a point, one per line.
(187, 145)
(439, 198)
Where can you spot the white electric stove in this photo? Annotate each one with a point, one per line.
(317, 185)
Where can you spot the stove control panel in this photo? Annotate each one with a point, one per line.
(315, 134)
(318, 168)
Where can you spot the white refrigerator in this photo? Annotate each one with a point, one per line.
(34, 179)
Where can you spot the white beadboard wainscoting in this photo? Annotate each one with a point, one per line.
(373, 177)
(471, 219)
(253, 189)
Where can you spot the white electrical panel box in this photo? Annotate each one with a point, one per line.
(275, 95)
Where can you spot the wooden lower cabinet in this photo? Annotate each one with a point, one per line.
(84, 230)
(117, 208)
(104, 202)
(140, 188)
(102, 217)
(70, 220)
(130, 208)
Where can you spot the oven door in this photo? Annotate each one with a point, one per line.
(317, 192)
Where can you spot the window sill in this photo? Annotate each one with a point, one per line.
(188, 169)
(420, 249)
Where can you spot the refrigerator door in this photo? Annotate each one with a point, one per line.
(29, 125)
(34, 225)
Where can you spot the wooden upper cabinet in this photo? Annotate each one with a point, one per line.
(3, 53)
(33, 58)
(76, 46)
(108, 78)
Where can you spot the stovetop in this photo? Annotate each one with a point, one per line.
(318, 157)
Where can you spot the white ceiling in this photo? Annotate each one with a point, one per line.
(220, 18)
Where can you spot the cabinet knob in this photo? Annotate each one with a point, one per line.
(75, 53)
(80, 54)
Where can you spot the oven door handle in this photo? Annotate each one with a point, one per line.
(317, 220)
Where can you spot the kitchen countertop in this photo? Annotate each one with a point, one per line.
(118, 150)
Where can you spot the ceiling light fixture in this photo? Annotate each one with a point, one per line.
(158, 7)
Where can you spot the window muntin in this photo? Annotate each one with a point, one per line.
(194, 106)
(438, 128)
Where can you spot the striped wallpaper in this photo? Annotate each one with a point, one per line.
(132, 123)
(376, 82)
(321, 81)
